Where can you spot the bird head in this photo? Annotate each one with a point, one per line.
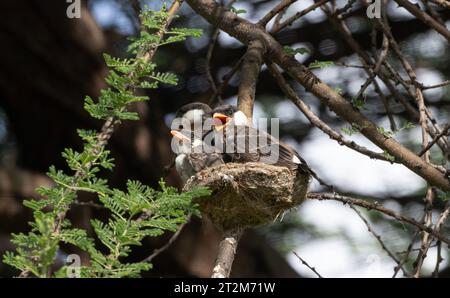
(194, 114)
(226, 114)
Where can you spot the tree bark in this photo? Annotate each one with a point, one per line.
(225, 256)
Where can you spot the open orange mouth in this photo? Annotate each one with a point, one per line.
(224, 119)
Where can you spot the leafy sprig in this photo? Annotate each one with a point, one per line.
(136, 213)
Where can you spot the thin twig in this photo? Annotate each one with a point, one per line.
(424, 17)
(443, 3)
(378, 237)
(445, 83)
(172, 239)
(298, 15)
(444, 132)
(225, 80)
(380, 208)
(283, 5)
(439, 260)
(307, 265)
(209, 53)
(316, 121)
(409, 249)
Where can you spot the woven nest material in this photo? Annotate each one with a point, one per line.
(248, 195)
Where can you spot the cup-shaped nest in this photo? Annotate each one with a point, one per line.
(248, 195)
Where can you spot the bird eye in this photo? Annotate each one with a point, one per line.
(180, 127)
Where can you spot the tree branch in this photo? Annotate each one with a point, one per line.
(378, 207)
(378, 237)
(316, 121)
(251, 66)
(424, 17)
(274, 11)
(225, 256)
(247, 32)
(307, 265)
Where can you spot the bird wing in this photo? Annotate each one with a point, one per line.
(254, 145)
(200, 161)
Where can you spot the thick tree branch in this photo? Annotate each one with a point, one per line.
(251, 66)
(247, 32)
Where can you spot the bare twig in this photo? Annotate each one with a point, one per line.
(307, 265)
(274, 11)
(444, 132)
(445, 83)
(443, 3)
(344, 9)
(225, 80)
(378, 237)
(298, 15)
(380, 208)
(316, 121)
(172, 239)
(439, 260)
(424, 17)
(408, 251)
(209, 53)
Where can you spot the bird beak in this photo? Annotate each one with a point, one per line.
(179, 136)
(224, 119)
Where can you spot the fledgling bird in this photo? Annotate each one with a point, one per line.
(193, 155)
(193, 140)
(249, 144)
(195, 113)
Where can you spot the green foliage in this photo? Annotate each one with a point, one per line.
(385, 132)
(407, 125)
(291, 51)
(349, 130)
(136, 213)
(389, 134)
(237, 11)
(320, 64)
(338, 90)
(444, 196)
(358, 102)
(354, 129)
(388, 156)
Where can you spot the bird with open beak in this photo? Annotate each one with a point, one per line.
(193, 154)
(242, 143)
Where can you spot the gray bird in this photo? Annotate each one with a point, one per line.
(193, 155)
(190, 131)
(242, 143)
(195, 114)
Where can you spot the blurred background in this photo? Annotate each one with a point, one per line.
(49, 63)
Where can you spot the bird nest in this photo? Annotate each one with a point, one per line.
(248, 195)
